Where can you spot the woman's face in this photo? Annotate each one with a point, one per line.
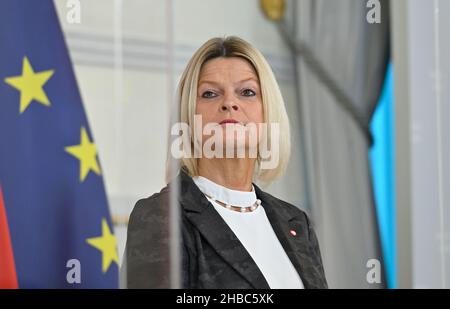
(229, 95)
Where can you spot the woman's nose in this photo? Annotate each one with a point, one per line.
(229, 104)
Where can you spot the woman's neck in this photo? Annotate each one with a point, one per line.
(235, 174)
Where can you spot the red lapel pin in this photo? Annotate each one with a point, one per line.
(293, 233)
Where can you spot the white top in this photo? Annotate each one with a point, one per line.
(254, 231)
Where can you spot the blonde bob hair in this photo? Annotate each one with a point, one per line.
(272, 102)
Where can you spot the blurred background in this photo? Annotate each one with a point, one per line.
(366, 86)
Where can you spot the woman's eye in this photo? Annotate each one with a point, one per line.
(208, 94)
(248, 93)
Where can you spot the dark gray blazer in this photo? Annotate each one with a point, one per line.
(212, 256)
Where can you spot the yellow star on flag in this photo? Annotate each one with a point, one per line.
(30, 85)
(85, 152)
(107, 245)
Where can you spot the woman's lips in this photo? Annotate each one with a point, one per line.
(225, 121)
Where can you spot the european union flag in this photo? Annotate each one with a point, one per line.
(55, 231)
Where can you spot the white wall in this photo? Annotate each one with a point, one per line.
(421, 46)
(128, 109)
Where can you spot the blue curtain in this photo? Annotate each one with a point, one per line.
(383, 169)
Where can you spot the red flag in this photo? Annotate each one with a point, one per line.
(8, 278)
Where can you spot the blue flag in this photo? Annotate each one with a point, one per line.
(60, 230)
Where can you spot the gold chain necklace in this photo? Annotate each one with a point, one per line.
(236, 208)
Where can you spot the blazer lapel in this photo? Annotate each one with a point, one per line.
(214, 229)
(297, 247)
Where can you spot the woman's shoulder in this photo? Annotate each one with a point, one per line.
(282, 205)
(148, 206)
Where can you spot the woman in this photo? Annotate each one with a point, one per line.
(234, 235)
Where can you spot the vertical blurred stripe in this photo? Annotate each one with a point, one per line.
(8, 278)
(174, 213)
(383, 167)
